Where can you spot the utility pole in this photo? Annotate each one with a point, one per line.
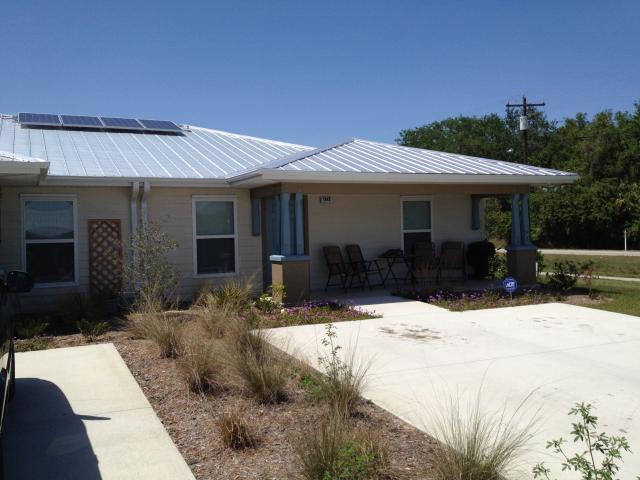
(524, 123)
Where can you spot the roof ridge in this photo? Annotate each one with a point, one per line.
(293, 157)
(250, 137)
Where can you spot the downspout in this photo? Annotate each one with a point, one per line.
(135, 193)
(146, 186)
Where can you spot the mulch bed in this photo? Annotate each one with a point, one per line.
(191, 421)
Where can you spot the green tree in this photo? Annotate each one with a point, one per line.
(603, 150)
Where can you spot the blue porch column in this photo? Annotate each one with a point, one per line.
(525, 226)
(515, 220)
(285, 224)
(299, 219)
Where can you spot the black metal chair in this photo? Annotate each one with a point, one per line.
(452, 258)
(336, 267)
(425, 261)
(362, 268)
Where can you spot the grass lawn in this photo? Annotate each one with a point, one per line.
(603, 265)
(621, 297)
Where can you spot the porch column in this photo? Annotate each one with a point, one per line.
(299, 218)
(526, 229)
(521, 254)
(285, 224)
(515, 220)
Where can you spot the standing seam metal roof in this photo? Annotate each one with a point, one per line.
(356, 155)
(200, 153)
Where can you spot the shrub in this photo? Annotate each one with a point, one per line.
(342, 383)
(477, 445)
(199, 364)
(262, 369)
(148, 269)
(565, 274)
(30, 328)
(92, 329)
(166, 332)
(33, 344)
(606, 449)
(335, 450)
(235, 431)
(80, 306)
(498, 265)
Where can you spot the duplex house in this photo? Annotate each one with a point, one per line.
(74, 188)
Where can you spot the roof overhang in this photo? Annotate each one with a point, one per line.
(269, 176)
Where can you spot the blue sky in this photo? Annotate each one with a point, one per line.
(316, 72)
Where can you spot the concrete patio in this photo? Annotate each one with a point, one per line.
(78, 413)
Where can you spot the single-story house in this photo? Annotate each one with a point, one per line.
(72, 187)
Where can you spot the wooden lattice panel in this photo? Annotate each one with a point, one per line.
(105, 256)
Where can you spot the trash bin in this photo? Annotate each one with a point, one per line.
(478, 255)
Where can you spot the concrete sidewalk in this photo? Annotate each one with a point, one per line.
(78, 413)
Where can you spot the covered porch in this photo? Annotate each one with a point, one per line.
(297, 221)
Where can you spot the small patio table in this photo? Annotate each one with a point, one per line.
(398, 259)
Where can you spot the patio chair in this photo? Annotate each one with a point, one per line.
(336, 267)
(425, 261)
(452, 258)
(361, 267)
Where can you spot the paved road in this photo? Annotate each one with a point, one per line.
(423, 356)
(592, 253)
(78, 413)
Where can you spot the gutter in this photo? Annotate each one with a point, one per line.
(406, 178)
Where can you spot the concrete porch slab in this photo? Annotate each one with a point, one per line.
(79, 413)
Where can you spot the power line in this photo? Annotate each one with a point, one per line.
(524, 123)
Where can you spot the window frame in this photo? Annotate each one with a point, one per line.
(423, 198)
(49, 197)
(196, 237)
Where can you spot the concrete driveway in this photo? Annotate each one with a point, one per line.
(78, 413)
(558, 354)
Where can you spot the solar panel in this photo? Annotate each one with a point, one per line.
(122, 123)
(39, 119)
(160, 125)
(81, 121)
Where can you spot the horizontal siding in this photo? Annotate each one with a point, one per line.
(170, 208)
(92, 203)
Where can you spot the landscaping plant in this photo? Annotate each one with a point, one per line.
(256, 362)
(166, 332)
(92, 329)
(235, 431)
(343, 380)
(602, 453)
(565, 274)
(148, 270)
(200, 363)
(476, 445)
(335, 449)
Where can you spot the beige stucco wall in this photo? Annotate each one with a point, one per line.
(374, 222)
(170, 207)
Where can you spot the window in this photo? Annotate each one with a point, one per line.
(214, 235)
(416, 222)
(49, 233)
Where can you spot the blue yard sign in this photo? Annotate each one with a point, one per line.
(510, 285)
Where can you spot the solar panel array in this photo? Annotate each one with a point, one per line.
(101, 123)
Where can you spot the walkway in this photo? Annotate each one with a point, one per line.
(78, 413)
